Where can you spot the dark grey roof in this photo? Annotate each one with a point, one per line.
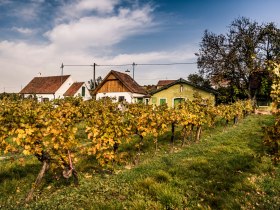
(182, 81)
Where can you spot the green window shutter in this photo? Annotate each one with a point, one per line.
(83, 91)
(154, 100)
(162, 101)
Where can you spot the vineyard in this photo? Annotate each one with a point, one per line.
(49, 130)
(272, 133)
(104, 135)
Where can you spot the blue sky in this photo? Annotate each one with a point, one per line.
(36, 36)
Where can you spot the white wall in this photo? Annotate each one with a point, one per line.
(129, 97)
(59, 93)
(136, 95)
(40, 97)
(63, 88)
(87, 93)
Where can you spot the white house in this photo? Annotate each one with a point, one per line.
(120, 87)
(53, 87)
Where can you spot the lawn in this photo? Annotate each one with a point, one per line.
(228, 169)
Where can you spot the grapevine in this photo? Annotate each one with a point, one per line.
(48, 130)
(272, 133)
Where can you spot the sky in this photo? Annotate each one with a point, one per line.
(37, 36)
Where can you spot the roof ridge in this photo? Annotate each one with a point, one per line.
(186, 82)
(68, 75)
(140, 89)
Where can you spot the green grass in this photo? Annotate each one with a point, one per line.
(228, 169)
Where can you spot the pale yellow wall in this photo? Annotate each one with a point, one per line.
(174, 92)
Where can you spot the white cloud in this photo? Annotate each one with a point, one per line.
(27, 12)
(81, 40)
(81, 8)
(25, 31)
(20, 62)
(5, 2)
(101, 32)
(24, 11)
(105, 6)
(179, 55)
(150, 74)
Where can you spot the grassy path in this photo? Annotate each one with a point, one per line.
(227, 170)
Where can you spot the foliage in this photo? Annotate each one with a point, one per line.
(48, 130)
(272, 133)
(97, 82)
(45, 130)
(275, 92)
(12, 96)
(239, 56)
(198, 80)
(224, 171)
(106, 127)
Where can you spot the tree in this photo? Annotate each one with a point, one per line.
(270, 43)
(239, 55)
(199, 80)
(12, 96)
(97, 82)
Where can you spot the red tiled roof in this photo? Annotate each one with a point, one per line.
(44, 85)
(73, 89)
(164, 82)
(130, 83)
(126, 80)
(149, 88)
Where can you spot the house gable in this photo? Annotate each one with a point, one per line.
(119, 82)
(120, 87)
(112, 84)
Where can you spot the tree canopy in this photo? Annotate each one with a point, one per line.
(198, 80)
(240, 57)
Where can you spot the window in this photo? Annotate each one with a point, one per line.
(45, 99)
(121, 98)
(154, 100)
(83, 91)
(178, 101)
(181, 88)
(140, 100)
(162, 101)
